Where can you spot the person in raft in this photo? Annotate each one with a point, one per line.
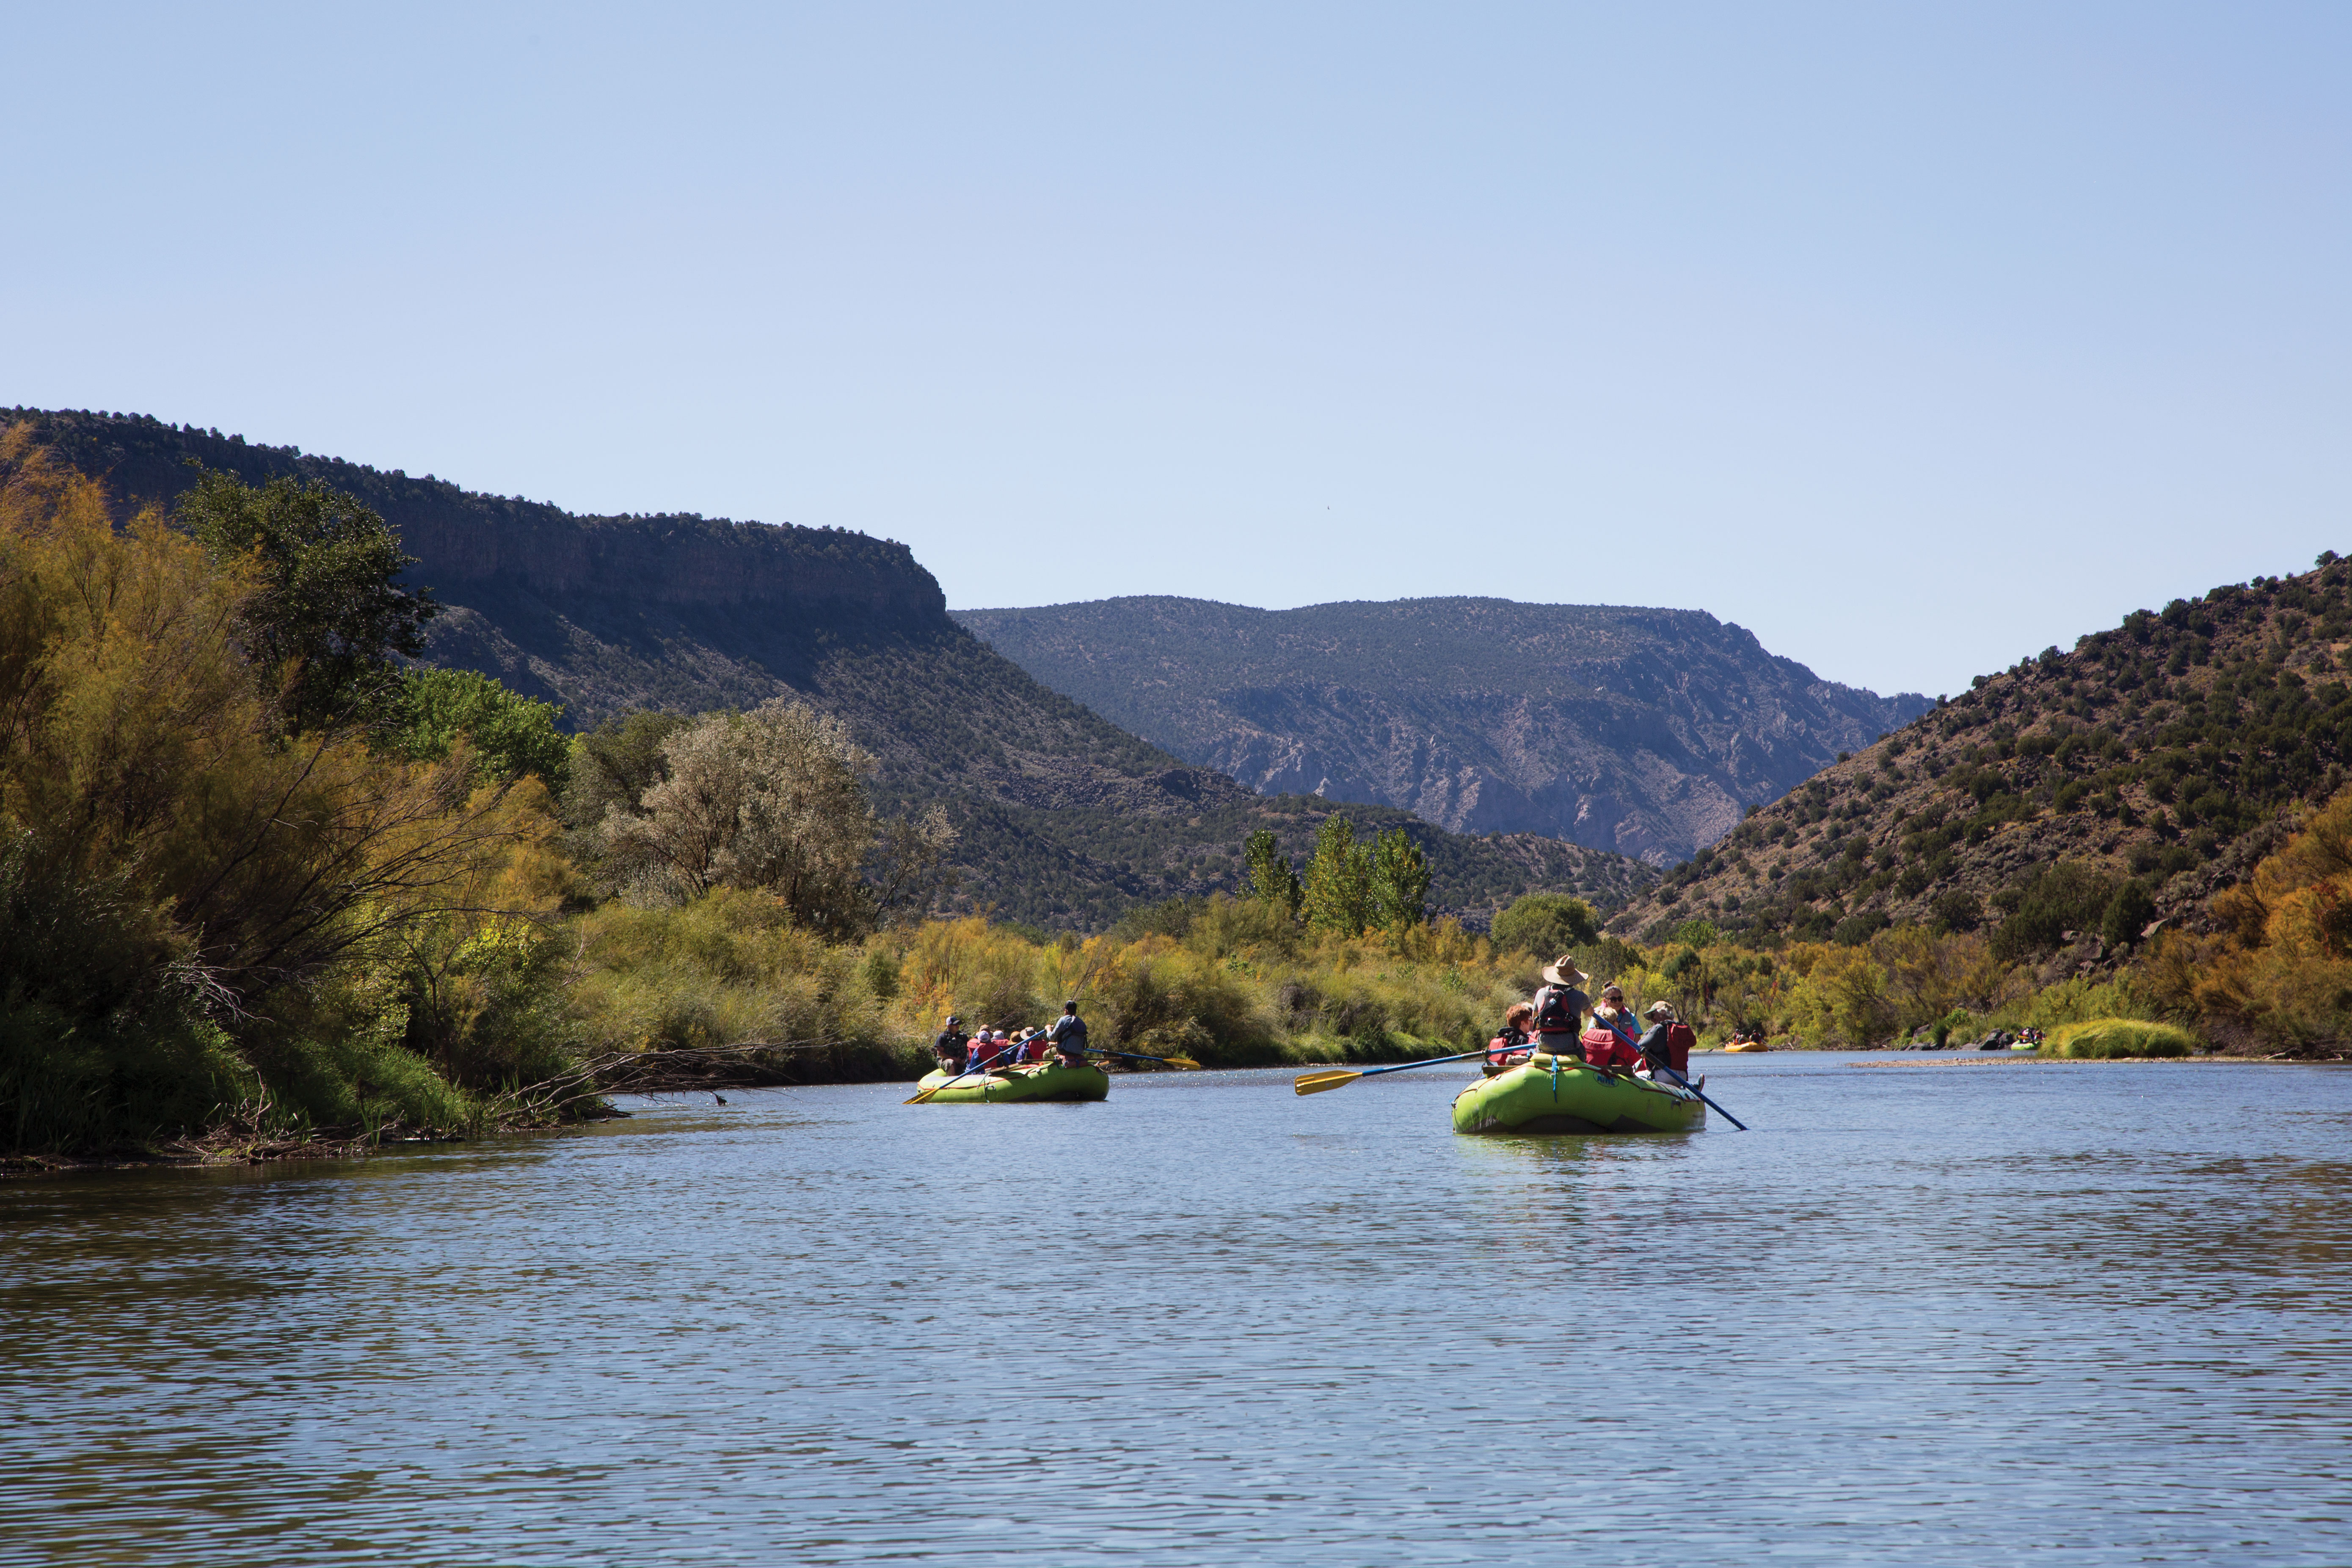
(1611, 1010)
(1666, 1047)
(1068, 1036)
(952, 1046)
(1560, 1007)
(1510, 1044)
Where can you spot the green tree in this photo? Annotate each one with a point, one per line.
(1546, 924)
(511, 735)
(1399, 882)
(615, 762)
(2061, 898)
(328, 621)
(1338, 879)
(2127, 913)
(1272, 880)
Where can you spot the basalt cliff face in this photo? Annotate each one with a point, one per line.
(1066, 819)
(1643, 731)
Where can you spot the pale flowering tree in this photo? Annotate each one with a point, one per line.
(773, 800)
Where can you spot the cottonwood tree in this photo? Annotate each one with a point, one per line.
(773, 800)
(1339, 892)
(326, 621)
(1400, 878)
(1272, 882)
(1545, 924)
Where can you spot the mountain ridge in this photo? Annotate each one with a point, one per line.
(1067, 820)
(2077, 801)
(1642, 731)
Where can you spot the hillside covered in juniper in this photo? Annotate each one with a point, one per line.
(1066, 820)
(1641, 731)
(2072, 805)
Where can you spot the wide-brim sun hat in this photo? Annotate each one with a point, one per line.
(1661, 1010)
(1562, 971)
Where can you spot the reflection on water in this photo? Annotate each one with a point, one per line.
(2089, 1312)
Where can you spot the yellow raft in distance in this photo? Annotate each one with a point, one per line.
(1019, 1085)
(1561, 1094)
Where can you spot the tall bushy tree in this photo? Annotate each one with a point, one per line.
(1546, 924)
(429, 711)
(1400, 879)
(1339, 892)
(1272, 882)
(327, 620)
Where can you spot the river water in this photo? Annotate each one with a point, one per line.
(1928, 1311)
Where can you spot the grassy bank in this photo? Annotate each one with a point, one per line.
(1227, 982)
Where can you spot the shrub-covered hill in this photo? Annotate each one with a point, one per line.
(1066, 820)
(1642, 731)
(2078, 801)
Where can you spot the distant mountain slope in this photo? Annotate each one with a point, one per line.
(2167, 755)
(1645, 731)
(1067, 819)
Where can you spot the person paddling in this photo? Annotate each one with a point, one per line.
(1666, 1045)
(952, 1046)
(1560, 1007)
(1068, 1036)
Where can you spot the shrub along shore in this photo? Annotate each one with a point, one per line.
(266, 887)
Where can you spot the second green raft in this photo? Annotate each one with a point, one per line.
(1561, 1094)
(1017, 1085)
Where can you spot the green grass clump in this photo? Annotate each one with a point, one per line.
(2119, 1037)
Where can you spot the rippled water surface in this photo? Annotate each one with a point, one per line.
(1938, 1311)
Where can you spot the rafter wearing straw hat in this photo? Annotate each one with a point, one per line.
(1560, 1007)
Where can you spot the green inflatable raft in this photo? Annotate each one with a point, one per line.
(1561, 1094)
(1017, 1085)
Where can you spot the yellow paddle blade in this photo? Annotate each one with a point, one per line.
(922, 1097)
(1317, 1083)
(1184, 1063)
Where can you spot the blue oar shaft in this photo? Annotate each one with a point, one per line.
(1686, 1082)
(1430, 1062)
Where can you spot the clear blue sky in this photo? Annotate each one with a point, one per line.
(1912, 338)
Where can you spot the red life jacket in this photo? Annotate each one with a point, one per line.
(1504, 1045)
(1604, 1047)
(1680, 1040)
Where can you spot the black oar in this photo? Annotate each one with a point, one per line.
(1671, 1073)
(1317, 1083)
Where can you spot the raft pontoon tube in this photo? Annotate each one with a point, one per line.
(1018, 1084)
(1561, 1094)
